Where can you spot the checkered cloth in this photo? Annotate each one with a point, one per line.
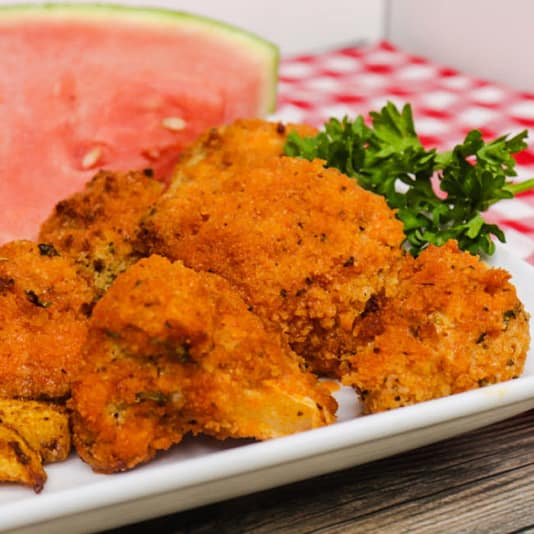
(446, 105)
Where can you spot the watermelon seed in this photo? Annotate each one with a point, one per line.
(91, 157)
(173, 123)
(152, 153)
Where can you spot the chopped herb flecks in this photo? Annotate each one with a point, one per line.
(47, 249)
(32, 296)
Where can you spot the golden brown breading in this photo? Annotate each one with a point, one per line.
(95, 227)
(454, 325)
(172, 351)
(244, 143)
(43, 321)
(305, 246)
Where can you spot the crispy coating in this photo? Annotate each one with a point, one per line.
(244, 143)
(172, 351)
(43, 321)
(44, 426)
(304, 245)
(454, 325)
(18, 461)
(95, 227)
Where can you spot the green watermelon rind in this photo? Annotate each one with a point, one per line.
(253, 44)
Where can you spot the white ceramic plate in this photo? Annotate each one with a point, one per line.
(200, 471)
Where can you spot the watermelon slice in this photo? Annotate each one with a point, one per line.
(85, 87)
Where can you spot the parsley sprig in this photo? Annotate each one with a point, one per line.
(438, 195)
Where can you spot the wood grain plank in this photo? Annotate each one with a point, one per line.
(495, 504)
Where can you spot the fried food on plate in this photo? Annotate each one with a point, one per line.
(96, 226)
(31, 434)
(172, 351)
(245, 142)
(304, 245)
(43, 321)
(455, 324)
(43, 426)
(18, 461)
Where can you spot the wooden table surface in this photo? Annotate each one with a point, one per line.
(482, 482)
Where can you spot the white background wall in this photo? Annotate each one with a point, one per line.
(298, 25)
(493, 39)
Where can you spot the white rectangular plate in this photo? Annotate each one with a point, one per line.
(200, 471)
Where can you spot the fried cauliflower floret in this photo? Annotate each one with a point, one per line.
(172, 351)
(454, 325)
(96, 226)
(43, 321)
(244, 143)
(305, 246)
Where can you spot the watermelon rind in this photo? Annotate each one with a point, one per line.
(261, 49)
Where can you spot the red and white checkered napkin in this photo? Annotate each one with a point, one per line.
(446, 105)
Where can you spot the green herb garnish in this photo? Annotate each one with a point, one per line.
(389, 159)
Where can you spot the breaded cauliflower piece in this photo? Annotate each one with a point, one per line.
(305, 246)
(172, 351)
(96, 226)
(244, 143)
(43, 321)
(455, 324)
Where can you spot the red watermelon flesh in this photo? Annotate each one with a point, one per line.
(79, 93)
